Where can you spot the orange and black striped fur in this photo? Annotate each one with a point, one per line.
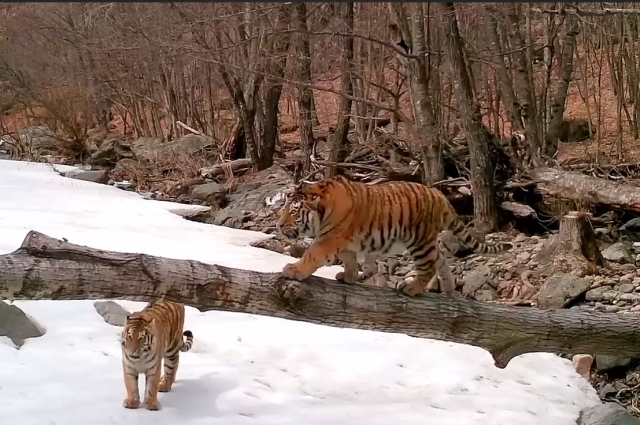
(347, 218)
(149, 336)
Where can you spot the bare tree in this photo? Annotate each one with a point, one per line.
(560, 98)
(484, 199)
(339, 139)
(305, 99)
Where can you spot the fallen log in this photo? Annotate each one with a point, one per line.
(232, 166)
(48, 268)
(560, 184)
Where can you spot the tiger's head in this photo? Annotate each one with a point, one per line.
(302, 211)
(138, 335)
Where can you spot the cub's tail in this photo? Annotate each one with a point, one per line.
(186, 345)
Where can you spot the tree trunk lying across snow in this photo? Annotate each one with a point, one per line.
(48, 268)
(575, 186)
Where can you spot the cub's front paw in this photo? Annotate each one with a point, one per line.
(131, 403)
(152, 404)
(291, 271)
(165, 385)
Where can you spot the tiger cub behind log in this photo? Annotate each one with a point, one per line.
(148, 336)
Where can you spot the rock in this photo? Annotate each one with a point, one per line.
(618, 252)
(95, 176)
(480, 284)
(112, 312)
(596, 294)
(633, 297)
(250, 199)
(604, 363)
(153, 148)
(126, 165)
(211, 193)
(521, 238)
(606, 414)
(582, 364)
(626, 287)
(559, 291)
(111, 151)
(17, 325)
(40, 138)
(606, 390)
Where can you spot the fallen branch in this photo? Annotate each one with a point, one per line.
(574, 186)
(48, 268)
(189, 129)
(219, 169)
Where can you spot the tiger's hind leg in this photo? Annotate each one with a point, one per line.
(350, 263)
(428, 262)
(369, 267)
(443, 278)
(171, 361)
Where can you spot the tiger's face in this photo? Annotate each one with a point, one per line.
(299, 215)
(137, 336)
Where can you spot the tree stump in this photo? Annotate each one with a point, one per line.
(570, 256)
(576, 241)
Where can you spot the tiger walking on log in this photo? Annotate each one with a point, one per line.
(347, 218)
(149, 336)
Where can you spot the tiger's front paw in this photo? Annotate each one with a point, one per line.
(131, 403)
(291, 271)
(152, 404)
(344, 277)
(410, 286)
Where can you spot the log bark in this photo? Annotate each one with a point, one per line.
(559, 184)
(48, 268)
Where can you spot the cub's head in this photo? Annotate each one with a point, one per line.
(138, 335)
(302, 211)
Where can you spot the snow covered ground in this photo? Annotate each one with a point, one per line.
(242, 369)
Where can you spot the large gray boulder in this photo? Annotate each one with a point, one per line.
(16, 325)
(112, 312)
(606, 414)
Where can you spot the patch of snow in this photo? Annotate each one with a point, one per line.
(275, 199)
(242, 369)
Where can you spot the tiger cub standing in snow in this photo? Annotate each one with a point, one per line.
(149, 336)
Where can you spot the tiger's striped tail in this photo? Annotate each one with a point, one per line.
(455, 226)
(186, 345)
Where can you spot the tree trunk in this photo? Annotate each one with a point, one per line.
(339, 140)
(506, 85)
(48, 268)
(413, 36)
(484, 196)
(305, 98)
(558, 184)
(526, 92)
(560, 98)
(278, 64)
